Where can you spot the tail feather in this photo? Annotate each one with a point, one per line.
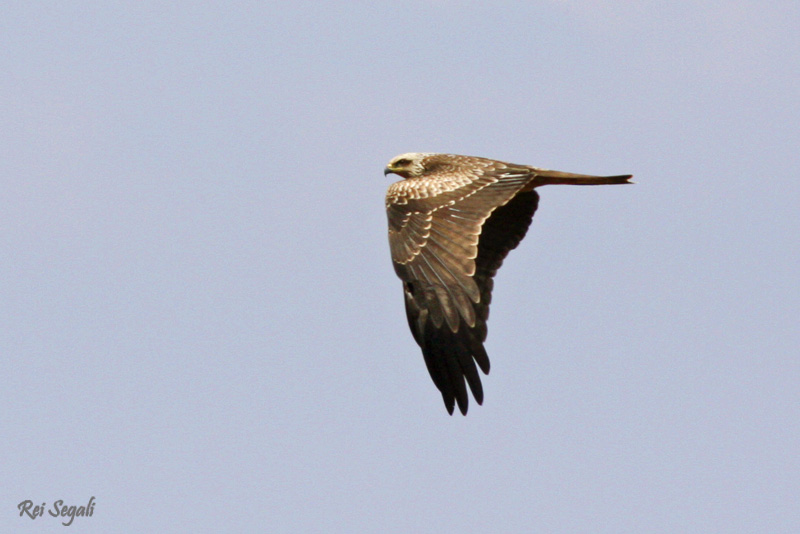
(545, 177)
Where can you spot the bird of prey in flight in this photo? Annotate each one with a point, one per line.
(452, 221)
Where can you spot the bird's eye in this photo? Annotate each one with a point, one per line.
(402, 162)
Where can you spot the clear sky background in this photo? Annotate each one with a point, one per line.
(199, 321)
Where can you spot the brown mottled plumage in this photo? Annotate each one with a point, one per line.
(452, 221)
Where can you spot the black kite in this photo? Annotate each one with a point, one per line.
(452, 221)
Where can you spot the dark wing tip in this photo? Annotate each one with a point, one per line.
(451, 363)
(449, 404)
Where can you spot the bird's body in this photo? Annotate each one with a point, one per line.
(452, 221)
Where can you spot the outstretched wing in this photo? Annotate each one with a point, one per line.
(449, 233)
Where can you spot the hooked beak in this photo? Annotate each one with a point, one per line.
(388, 170)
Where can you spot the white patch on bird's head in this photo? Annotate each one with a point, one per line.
(408, 165)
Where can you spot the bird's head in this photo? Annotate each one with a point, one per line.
(408, 165)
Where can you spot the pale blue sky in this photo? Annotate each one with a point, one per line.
(200, 325)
